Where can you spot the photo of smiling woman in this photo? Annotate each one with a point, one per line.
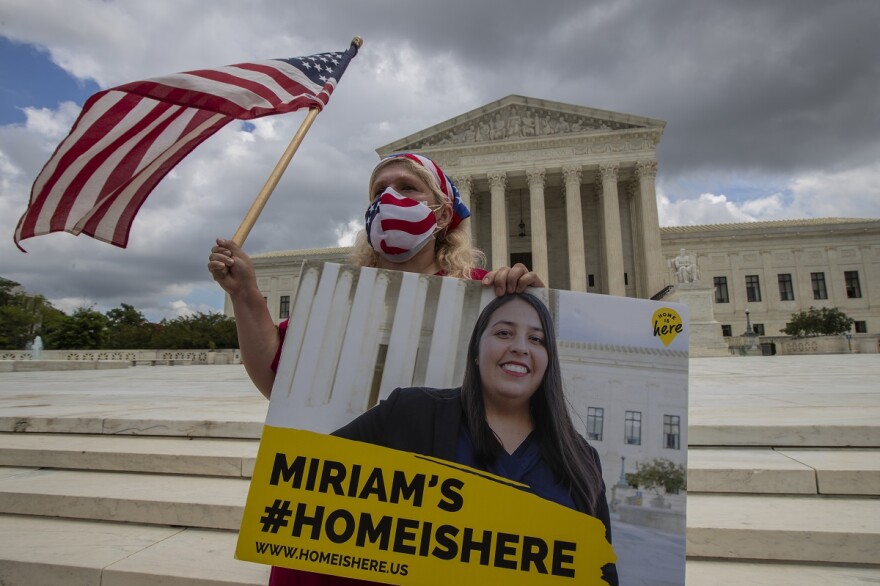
(509, 418)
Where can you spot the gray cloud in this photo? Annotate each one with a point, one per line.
(763, 96)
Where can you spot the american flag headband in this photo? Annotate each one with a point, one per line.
(443, 183)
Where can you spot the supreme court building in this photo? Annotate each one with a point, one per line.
(569, 191)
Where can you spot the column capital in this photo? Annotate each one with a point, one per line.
(633, 190)
(572, 173)
(609, 171)
(463, 182)
(646, 169)
(536, 176)
(497, 179)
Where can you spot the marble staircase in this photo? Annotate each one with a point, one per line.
(141, 497)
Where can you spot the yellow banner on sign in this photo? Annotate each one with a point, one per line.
(334, 506)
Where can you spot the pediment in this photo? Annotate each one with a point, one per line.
(518, 118)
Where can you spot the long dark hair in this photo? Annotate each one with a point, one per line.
(564, 450)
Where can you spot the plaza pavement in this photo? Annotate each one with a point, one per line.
(779, 432)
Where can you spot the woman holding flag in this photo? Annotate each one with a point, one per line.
(413, 224)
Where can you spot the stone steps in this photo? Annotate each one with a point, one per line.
(41, 551)
(159, 455)
(795, 471)
(166, 509)
(188, 501)
(784, 528)
(732, 573)
(739, 526)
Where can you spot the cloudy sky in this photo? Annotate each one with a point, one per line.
(772, 110)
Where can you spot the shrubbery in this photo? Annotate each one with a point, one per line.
(827, 321)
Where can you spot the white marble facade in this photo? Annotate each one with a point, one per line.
(792, 265)
(542, 179)
(567, 189)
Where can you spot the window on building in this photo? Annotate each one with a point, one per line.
(786, 290)
(753, 288)
(672, 432)
(861, 327)
(595, 422)
(853, 289)
(632, 431)
(819, 290)
(758, 329)
(721, 295)
(284, 307)
(591, 280)
(726, 330)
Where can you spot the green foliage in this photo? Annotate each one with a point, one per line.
(7, 294)
(202, 330)
(127, 328)
(23, 316)
(15, 327)
(659, 473)
(86, 329)
(827, 321)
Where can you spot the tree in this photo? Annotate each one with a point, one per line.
(202, 330)
(659, 473)
(23, 316)
(128, 328)
(7, 291)
(15, 327)
(827, 321)
(86, 329)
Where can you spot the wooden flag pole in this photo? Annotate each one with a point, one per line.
(260, 202)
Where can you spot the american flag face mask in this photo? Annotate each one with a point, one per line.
(399, 227)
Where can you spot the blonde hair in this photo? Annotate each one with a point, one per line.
(453, 250)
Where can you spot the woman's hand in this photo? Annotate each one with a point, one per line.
(231, 267)
(513, 279)
(257, 335)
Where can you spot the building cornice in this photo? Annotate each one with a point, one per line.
(779, 227)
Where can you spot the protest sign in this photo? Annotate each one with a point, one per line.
(356, 334)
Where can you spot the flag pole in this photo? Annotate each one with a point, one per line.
(260, 201)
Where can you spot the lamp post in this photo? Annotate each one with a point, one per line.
(749, 334)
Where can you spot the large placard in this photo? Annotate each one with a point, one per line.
(356, 334)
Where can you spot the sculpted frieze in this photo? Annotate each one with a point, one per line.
(511, 157)
(518, 122)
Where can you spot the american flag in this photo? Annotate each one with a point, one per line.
(128, 138)
(407, 225)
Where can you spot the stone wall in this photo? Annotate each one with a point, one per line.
(788, 345)
(857, 344)
(133, 356)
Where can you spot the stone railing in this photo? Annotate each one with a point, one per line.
(136, 357)
(789, 345)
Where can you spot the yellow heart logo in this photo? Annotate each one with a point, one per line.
(667, 325)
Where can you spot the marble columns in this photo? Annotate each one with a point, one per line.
(539, 224)
(613, 240)
(465, 185)
(577, 272)
(497, 183)
(646, 171)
